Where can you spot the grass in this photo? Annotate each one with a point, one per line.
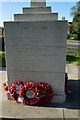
(1, 52)
(73, 48)
(73, 58)
(72, 40)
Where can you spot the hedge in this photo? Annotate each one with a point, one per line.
(2, 59)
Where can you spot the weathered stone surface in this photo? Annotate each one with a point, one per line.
(51, 78)
(59, 98)
(36, 17)
(38, 3)
(31, 10)
(39, 52)
(36, 33)
(36, 58)
(36, 51)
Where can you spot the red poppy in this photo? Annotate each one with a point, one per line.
(29, 92)
(45, 92)
(36, 93)
(14, 90)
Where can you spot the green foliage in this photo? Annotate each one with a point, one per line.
(73, 48)
(70, 40)
(73, 58)
(77, 62)
(75, 27)
(68, 36)
(74, 36)
(76, 9)
(4, 84)
(2, 59)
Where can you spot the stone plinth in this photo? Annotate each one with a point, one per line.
(38, 4)
(34, 10)
(36, 51)
(36, 17)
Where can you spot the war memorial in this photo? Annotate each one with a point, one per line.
(36, 51)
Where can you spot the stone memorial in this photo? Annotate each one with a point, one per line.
(36, 48)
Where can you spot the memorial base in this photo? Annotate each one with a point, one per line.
(58, 98)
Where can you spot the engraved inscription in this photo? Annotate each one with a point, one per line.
(24, 27)
(40, 27)
(34, 27)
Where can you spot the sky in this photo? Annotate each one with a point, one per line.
(9, 8)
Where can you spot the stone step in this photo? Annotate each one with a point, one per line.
(38, 10)
(36, 17)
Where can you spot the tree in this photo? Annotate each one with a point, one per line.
(75, 12)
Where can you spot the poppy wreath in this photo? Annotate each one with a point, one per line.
(14, 90)
(30, 93)
(38, 93)
(45, 92)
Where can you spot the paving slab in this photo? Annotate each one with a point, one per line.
(71, 113)
(73, 71)
(71, 43)
(79, 114)
(11, 109)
